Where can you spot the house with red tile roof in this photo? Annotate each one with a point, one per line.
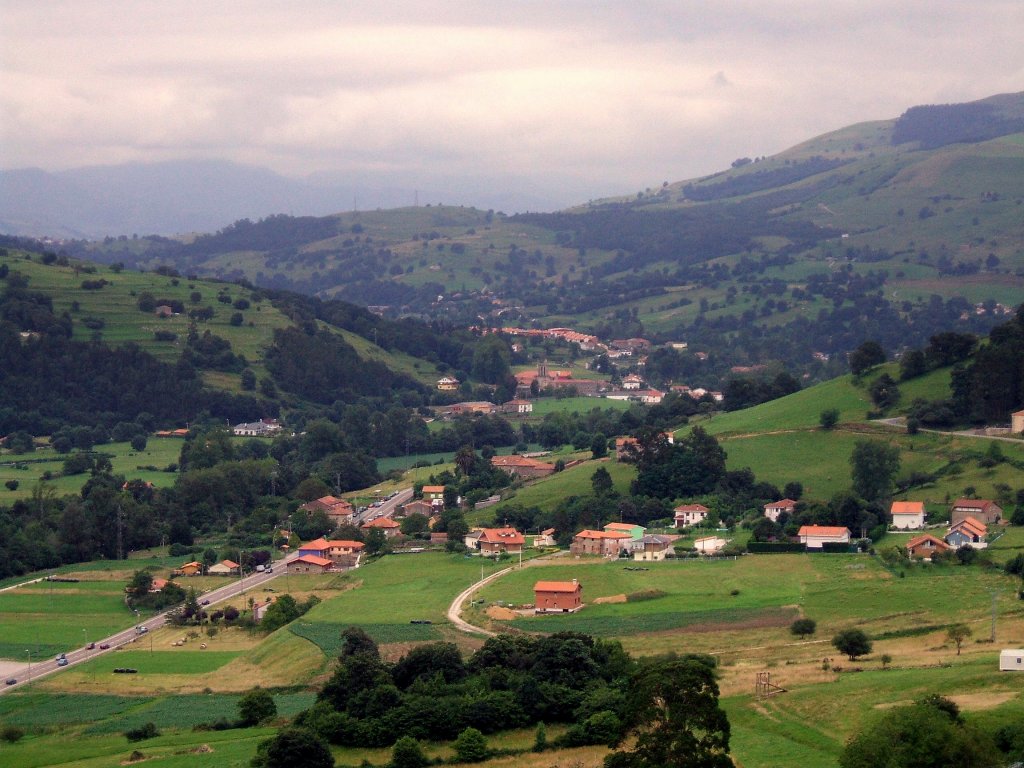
(690, 514)
(495, 541)
(814, 536)
(776, 508)
(386, 524)
(923, 547)
(223, 568)
(522, 466)
(968, 532)
(557, 596)
(337, 510)
(907, 515)
(602, 543)
(310, 564)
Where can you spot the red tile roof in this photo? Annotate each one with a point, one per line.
(587, 534)
(907, 507)
(381, 522)
(557, 586)
(501, 536)
(691, 508)
(313, 560)
(823, 530)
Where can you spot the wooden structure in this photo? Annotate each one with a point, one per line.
(764, 687)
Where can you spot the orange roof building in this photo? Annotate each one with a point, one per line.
(557, 596)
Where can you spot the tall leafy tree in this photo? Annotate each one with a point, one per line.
(674, 714)
(873, 468)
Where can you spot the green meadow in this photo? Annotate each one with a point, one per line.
(146, 465)
(87, 611)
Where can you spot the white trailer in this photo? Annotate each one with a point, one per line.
(1011, 660)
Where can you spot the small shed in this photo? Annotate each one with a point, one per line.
(1011, 660)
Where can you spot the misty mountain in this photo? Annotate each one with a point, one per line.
(178, 197)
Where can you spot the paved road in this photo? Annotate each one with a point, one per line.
(386, 509)
(25, 673)
(901, 422)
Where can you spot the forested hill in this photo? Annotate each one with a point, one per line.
(894, 229)
(97, 346)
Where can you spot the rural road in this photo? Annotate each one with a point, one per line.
(455, 609)
(25, 673)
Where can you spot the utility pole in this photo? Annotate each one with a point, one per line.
(995, 596)
(120, 533)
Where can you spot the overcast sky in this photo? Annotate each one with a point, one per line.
(568, 100)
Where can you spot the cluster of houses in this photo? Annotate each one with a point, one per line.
(969, 527)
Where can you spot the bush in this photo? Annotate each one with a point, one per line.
(11, 734)
(471, 747)
(147, 731)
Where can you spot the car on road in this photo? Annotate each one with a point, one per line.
(62, 662)
(141, 629)
(206, 601)
(104, 646)
(10, 681)
(90, 646)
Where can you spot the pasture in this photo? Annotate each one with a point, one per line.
(85, 611)
(29, 468)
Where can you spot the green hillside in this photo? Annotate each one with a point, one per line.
(892, 230)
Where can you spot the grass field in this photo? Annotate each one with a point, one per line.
(28, 468)
(87, 611)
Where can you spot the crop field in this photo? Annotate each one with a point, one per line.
(87, 611)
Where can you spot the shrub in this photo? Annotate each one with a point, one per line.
(147, 731)
(11, 734)
(471, 747)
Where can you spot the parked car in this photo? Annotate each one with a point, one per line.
(10, 681)
(104, 646)
(90, 646)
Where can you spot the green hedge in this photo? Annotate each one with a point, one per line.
(774, 547)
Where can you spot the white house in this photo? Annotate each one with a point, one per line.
(776, 508)
(907, 515)
(814, 536)
(1011, 660)
(690, 514)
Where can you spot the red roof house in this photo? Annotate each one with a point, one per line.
(557, 596)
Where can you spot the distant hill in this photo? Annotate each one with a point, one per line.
(892, 230)
(194, 196)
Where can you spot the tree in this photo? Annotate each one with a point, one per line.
(491, 360)
(376, 542)
(407, 753)
(291, 747)
(865, 357)
(884, 392)
(599, 446)
(601, 482)
(255, 706)
(471, 747)
(852, 642)
(803, 627)
(829, 418)
(138, 443)
(957, 633)
(912, 365)
(886, 660)
(920, 735)
(673, 710)
(415, 523)
(874, 465)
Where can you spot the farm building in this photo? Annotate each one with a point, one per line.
(191, 569)
(982, 510)
(522, 466)
(557, 596)
(709, 544)
(1011, 660)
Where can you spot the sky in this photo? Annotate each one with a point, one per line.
(566, 101)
